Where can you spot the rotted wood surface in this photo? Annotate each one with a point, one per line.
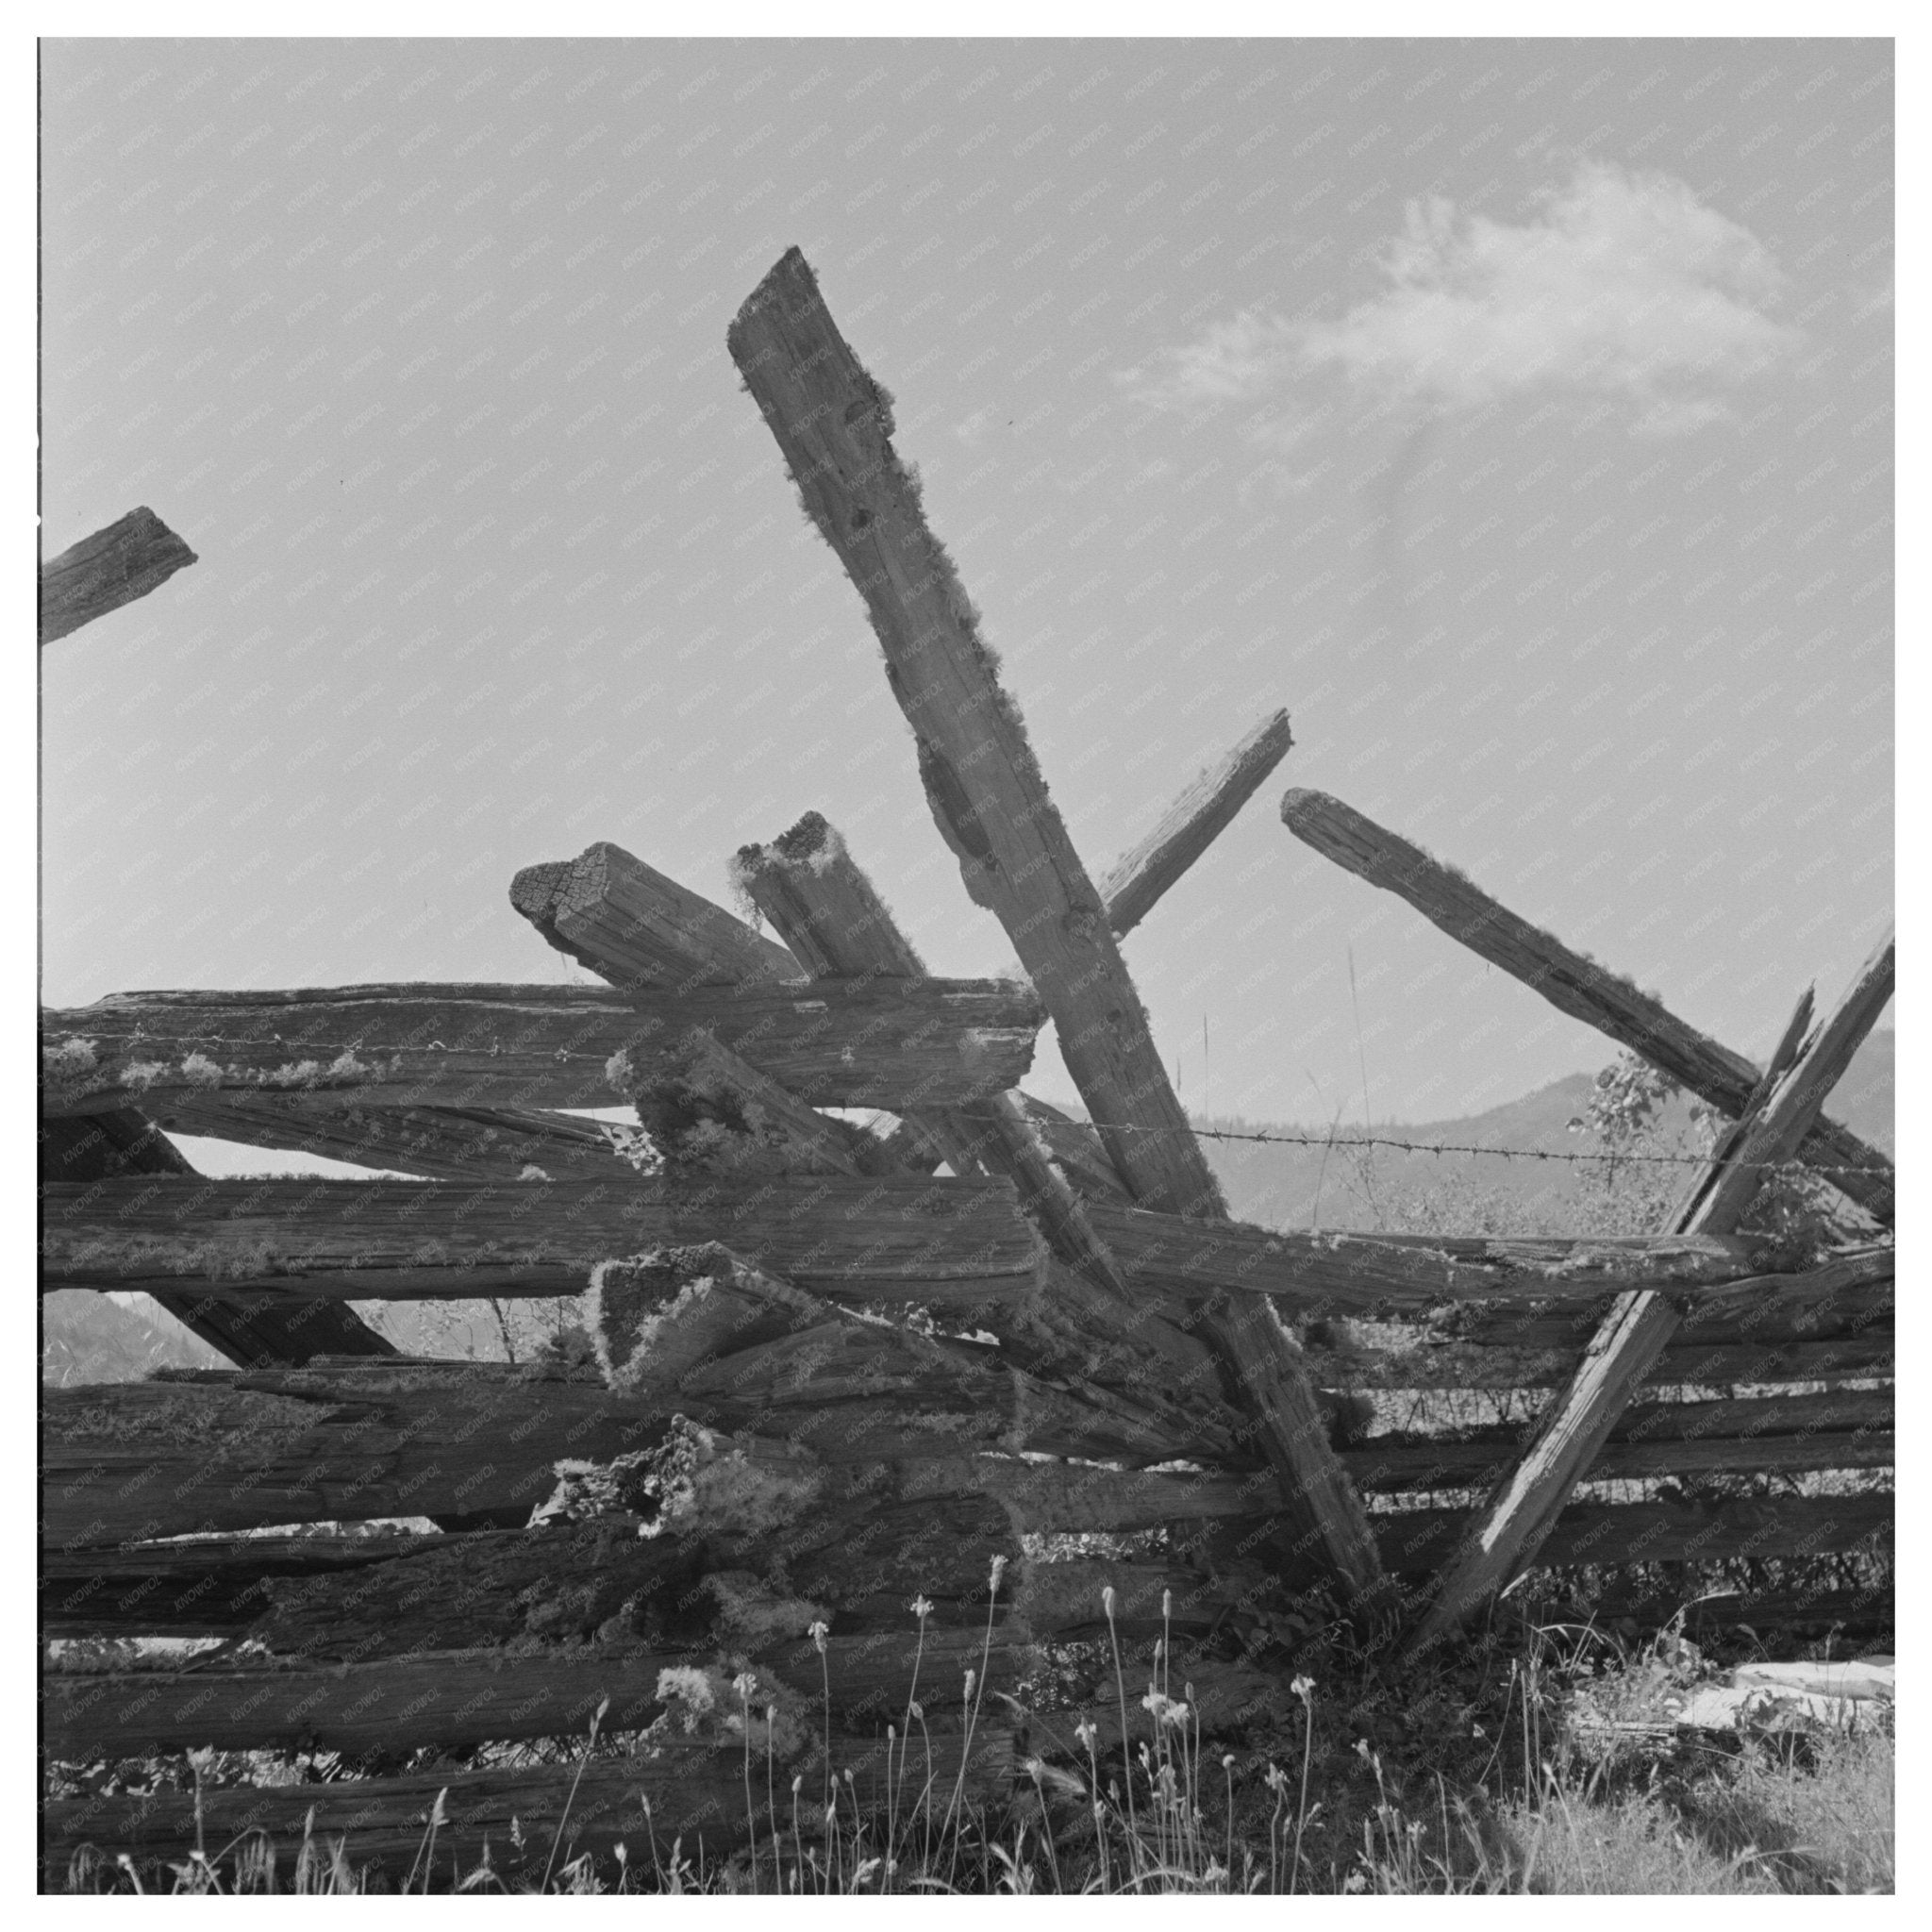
(900, 1238)
(883, 1043)
(630, 924)
(1143, 873)
(1512, 1525)
(115, 566)
(259, 1329)
(1573, 984)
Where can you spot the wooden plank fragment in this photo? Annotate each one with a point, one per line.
(115, 566)
(1573, 984)
(883, 1043)
(629, 924)
(834, 423)
(1514, 1523)
(1203, 812)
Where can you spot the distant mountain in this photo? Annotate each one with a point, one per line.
(1334, 1188)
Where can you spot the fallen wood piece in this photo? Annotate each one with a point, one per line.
(1573, 984)
(990, 800)
(894, 1238)
(628, 924)
(124, 1143)
(889, 1042)
(113, 567)
(1511, 1526)
(695, 1791)
(1143, 873)
(436, 1142)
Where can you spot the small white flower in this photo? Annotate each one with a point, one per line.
(1303, 1687)
(817, 1634)
(922, 1607)
(744, 1683)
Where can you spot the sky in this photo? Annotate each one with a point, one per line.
(1517, 414)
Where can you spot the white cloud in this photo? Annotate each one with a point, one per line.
(974, 428)
(1623, 288)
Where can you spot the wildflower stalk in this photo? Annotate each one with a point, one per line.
(1121, 1688)
(597, 1719)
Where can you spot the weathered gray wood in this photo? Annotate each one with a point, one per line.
(124, 1143)
(1148, 869)
(991, 802)
(438, 1143)
(695, 1788)
(1575, 984)
(896, 1238)
(1512, 1525)
(113, 567)
(633, 927)
(885, 1044)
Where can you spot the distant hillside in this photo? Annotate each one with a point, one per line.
(1299, 1187)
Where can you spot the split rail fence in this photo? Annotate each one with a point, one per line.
(830, 1371)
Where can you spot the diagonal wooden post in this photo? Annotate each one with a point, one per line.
(834, 424)
(1511, 1526)
(1573, 984)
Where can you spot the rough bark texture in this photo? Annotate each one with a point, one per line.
(886, 1043)
(1146, 870)
(991, 802)
(113, 567)
(1511, 1526)
(1573, 984)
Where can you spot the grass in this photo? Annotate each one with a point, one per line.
(1539, 1761)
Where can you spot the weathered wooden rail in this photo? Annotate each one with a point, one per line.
(822, 1370)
